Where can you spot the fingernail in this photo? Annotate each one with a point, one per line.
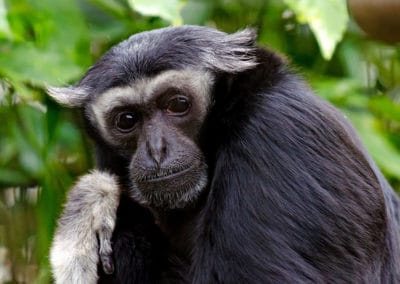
(108, 267)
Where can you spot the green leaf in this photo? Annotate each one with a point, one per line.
(386, 108)
(327, 19)
(378, 144)
(52, 45)
(196, 12)
(26, 63)
(13, 177)
(4, 27)
(169, 10)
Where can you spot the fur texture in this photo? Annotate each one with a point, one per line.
(90, 213)
(293, 195)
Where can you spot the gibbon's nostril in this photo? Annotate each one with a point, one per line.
(164, 148)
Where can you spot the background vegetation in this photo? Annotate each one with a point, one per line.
(42, 148)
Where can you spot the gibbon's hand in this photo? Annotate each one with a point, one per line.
(85, 228)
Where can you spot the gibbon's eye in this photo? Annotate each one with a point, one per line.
(126, 121)
(178, 106)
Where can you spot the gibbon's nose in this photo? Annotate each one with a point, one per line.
(156, 145)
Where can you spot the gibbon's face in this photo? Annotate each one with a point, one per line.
(148, 97)
(156, 122)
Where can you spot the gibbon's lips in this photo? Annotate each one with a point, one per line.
(167, 174)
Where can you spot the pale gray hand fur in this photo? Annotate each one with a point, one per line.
(90, 210)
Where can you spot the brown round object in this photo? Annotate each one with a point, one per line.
(378, 18)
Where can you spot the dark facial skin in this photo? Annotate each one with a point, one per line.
(167, 166)
(159, 131)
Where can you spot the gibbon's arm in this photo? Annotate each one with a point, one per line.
(85, 229)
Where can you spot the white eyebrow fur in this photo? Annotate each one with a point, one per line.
(144, 89)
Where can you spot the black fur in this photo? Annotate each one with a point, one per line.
(149, 53)
(138, 246)
(293, 196)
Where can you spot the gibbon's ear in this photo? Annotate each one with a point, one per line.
(234, 53)
(69, 96)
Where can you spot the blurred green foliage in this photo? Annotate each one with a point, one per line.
(42, 147)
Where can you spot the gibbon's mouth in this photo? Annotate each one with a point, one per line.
(167, 174)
